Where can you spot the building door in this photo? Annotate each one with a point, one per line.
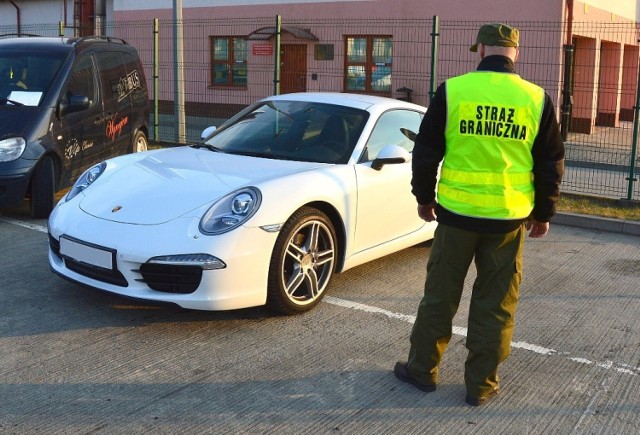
(83, 17)
(293, 72)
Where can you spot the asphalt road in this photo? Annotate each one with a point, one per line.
(74, 360)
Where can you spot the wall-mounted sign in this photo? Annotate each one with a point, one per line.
(262, 49)
(323, 52)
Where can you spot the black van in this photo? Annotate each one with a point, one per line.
(65, 104)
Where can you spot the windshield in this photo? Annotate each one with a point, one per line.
(26, 76)
(292, 130)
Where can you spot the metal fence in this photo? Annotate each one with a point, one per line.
(601, 155)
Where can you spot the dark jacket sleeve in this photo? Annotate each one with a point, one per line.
(548, 164)
(429, 149)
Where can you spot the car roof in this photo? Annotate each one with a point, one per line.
(361, 101)
(62, 44)
(35, 43)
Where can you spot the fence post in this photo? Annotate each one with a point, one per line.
(178, 68)
(634, 143)
(156, 76)
(566, 91)
(434, 58)
(276, 61)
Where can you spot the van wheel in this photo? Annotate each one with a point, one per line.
(139, 143)
(43, 189)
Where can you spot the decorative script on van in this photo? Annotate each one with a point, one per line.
(128, 84)
(115, 126)
(72, 148)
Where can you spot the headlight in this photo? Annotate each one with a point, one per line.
(85, 180)
(231, 211)
(11, 149)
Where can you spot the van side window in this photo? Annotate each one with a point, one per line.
(83, 80)
(112, 70)
(135, 78)
(121, 77)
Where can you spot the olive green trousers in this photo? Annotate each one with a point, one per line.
(494, 299)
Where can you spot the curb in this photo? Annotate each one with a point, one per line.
(597, 223)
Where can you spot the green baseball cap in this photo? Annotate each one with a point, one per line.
(496, 34)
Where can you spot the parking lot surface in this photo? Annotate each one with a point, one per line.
(75, 360)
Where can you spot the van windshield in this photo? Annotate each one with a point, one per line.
(26, 76)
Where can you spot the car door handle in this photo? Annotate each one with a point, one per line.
(100, 118)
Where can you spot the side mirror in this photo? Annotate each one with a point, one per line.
(75, 103)
(389, 155)
(207, 132)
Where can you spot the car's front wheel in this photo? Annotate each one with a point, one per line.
(302, 263)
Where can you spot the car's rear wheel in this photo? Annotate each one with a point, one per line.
(140, 142)
(43, 189)
(302, 263)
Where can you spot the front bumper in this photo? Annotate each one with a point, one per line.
(14, 180)
(13, 189)
(246, 252)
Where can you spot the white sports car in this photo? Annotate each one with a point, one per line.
(264, 210)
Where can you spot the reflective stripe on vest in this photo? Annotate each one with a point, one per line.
(492, 121)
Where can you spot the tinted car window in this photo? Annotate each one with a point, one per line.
(83, 80)
(134, 79)
(113, 73)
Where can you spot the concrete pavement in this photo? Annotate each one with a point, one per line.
(73, 360)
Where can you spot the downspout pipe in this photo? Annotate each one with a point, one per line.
(18, 19)
(567, 98)
(99, 17)
(277, 62)
(569, 22)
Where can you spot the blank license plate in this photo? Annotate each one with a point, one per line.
(90, 254)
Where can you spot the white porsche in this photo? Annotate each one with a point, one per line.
(264, 210)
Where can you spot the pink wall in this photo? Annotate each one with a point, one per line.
(609, 83)
(538, 10)
(629, 82)
(584, 95)
(599, 82)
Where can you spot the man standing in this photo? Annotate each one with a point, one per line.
(502, 157)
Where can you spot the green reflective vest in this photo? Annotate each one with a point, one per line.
(492, 121)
